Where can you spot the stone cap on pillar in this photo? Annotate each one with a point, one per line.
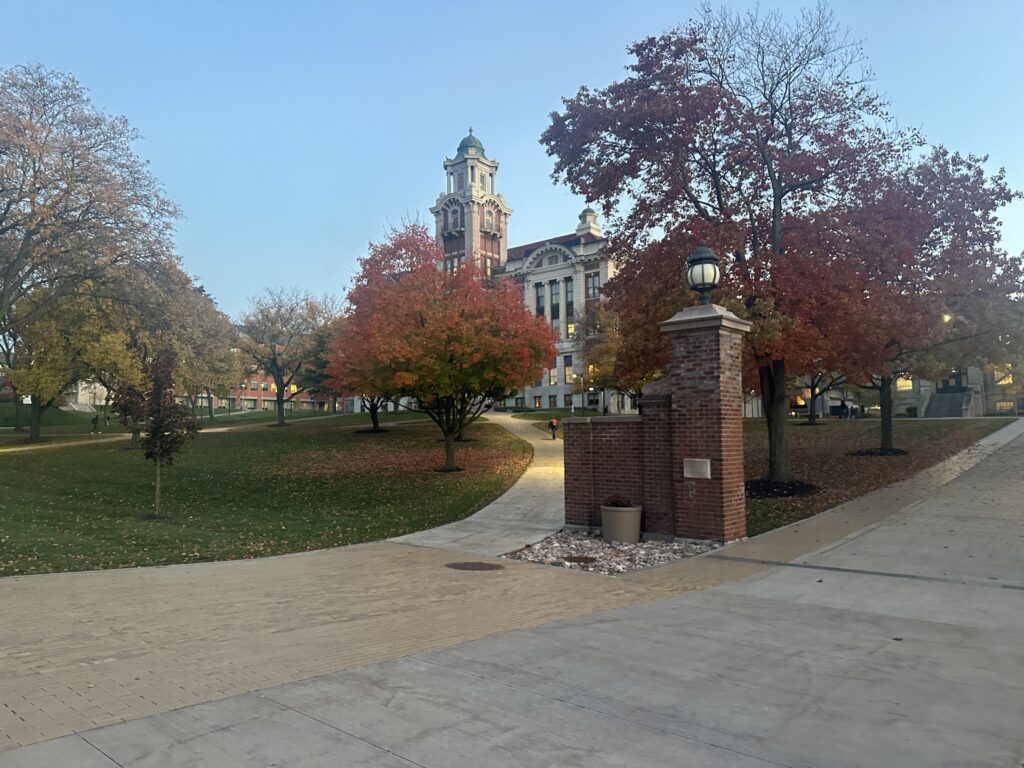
(704, 316)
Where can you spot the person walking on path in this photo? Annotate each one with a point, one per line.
(95, 424)
(553, 426)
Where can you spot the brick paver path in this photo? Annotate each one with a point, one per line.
(79, 650)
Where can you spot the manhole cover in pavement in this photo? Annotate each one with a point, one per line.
(474, 566)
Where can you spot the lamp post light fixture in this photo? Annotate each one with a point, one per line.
(702, 272)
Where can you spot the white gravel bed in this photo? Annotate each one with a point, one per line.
(589, 552)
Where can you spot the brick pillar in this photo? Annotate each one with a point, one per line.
(705, 378)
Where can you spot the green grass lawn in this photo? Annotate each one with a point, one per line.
(56, 425)
(244, 493)
(820, 456)
(69, 426)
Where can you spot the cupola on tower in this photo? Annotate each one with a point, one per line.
(471, 218)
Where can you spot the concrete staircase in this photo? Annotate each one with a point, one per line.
(946, 404)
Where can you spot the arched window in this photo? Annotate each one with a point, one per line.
(489, 219)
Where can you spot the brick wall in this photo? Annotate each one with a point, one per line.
(696, 412)
(605, 454)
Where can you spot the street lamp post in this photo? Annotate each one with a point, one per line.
(702, 272)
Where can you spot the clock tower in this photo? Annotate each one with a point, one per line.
(471, 218)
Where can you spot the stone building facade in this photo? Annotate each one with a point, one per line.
(471, 218)
(561, 277)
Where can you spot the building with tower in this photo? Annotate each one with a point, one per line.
(561, 277)
(471, 218)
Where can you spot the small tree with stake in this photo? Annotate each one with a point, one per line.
(169, 425)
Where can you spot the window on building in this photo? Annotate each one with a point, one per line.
(536, 401)
(622, 402)
(540, 299)
(552, 401)
(552, 376)
(264, 386)
(568, 299)
(520, 402)
(567, 367)
(570, 328)
(1006, 405)
(489, 219)
(567, 401)
(254, 385)
(553, 261)
(904, 384)
(556, 301)
(538, 383)
(593, 285)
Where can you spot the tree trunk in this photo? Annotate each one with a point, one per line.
(885, 400)
(375, 416)
(35, 419)
(812, 407)
(209, 402)
(775, 401)
(280, 405)
(136, 431)
(449, 452)
(157, 510)
(19, 413)
(334, 404)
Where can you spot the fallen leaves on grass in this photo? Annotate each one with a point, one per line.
(822, 457)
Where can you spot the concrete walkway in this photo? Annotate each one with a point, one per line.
(895, 644)
(529, 511)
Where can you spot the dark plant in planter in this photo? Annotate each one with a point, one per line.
(618, 501)
(620, 519)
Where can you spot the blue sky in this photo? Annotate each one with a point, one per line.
(291, 134)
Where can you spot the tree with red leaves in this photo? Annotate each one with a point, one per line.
(732, 131)
(936, 289)
(168, 425)
(452, 342)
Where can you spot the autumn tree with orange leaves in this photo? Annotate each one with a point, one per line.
(451, 342)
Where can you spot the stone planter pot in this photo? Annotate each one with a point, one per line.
(621, 524)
